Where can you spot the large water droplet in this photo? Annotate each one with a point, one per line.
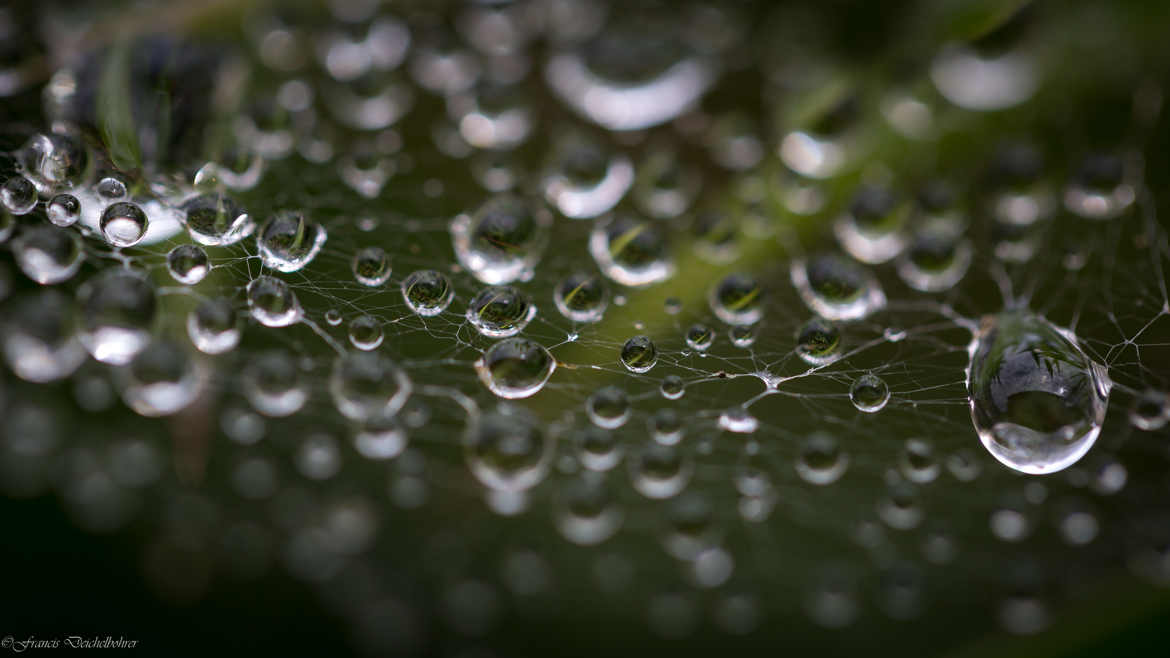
(427, 292)
(515, 368)
(818, 342)
(660, 471)
(836, 288)
(365, 332)
(587, 514)
(39, 341)
(581, 297)
(289, 241)
(188, 264)
(272, 303)
(123, 224)
(869, 393)
(737, 299)
(631, 251)
(214, 220)
(273, 384)
(608, 407)
(500, 311)
(18, 195)
(585, 180)
(213, 326)
(371, 266)
(821, 460)
(639, 354)
(365, 385)
(872, 231)
(48, 255)
(507, 450)
(117, 310)
(161, 380)
(1037, 400)
(63, 210)
(503, 240)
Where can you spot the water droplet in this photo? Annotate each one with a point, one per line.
(869, 393)
(371, 266)
(917, 462)
(872, 231)
(581, 297)
(64, 210)
(365, 332)
(333, 317)
(381, 437)
(117, 312)
(836, 288)
(630, 251)
(213, 326)
(974, 81)
(1037, 401)
(288, 241)
(19, 195)
(608, 407)
(818, 342)
(639, 354)
(691, 526)
(427, 292)
(738, 420)
(660, 471)
(1100, 189)
(500, 311)
(111, 188)
(503, 240)
(506, 450)
(53, 159)
(666, 186)
(216, 220)
(272, 303)
(161, 380)
(318, 457)
(366, 385)
(123, 224)
(515, 368)
(700, 337)
(39, 340)
(821, 460)
(48, 255)
(598, 449)
(188, 264)
(938, 257)
(737, 299)
(673, 387)
(587, 514)
(743, 336)
(273, 384)
(666, 426)
(1150, 411)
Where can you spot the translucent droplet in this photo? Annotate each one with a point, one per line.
(1150, 411)
(123, 224)
(288, 241)
(738, 420)
(500, 311)
(673, 387)
(274, 385)
(333, 317)
(318, 457)
(64, 210)
(737, 299)
(365, 332)
(917, 462)
(666, 186)
(188, 264)
(161, 380)
(366, 385)
(1037, 401)
(427, 292)
(581, 297)
(608, 407)
(666, 426)
(700, 337)
(382, 437)
(1100, 189)
(506, 450)
(116, 315)
(213, 326)
(691, 526)
(821, 460)
(743, 336)
(19, 195)
(983, 83)
(869, 393)
(660, 471)
(587, 514)
(53, 159)
(272, 303)
(639, 354)
(585, 181)
(39, 340)
(215, 220)
(371, 266)
(48, 255)
(836, 288)
(111, 188)
(818, 342)
(503, 240)
(515, 368)
(872, 231)
(630, 251)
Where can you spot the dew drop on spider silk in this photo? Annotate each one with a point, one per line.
(371, 266)
(515, 368)
(837, 288)
(365, 332)
(123, 224)
(214, 326)
(502, 240)
(188, 263)
(427, 293)
(869, 393)
(507, 449)
(639, 354)
(581, 297)
(500, 311)
(116, 315)
(608, 407)
(48, 255)
(818, 342)
(272, 303)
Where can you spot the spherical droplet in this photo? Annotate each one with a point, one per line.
(502, 240)
(1037, 400)
(188, 263)
(917, 462)
(818, 342)
(272, 303)
(631, 251)
(515, 368)
(39, 339)
(586, 512)
(639, 354)
(738, 420)
(161, 380)
(64, 210)
(938, 258)
(672, 387)
(869, 393)
(273, 384)
(371, 266)
(288, 241)
(365, 332)
(660, 471)
(598, 449)
(215, 220)
(427, 292)
(608, 407)
(743, 336)
(500, 311)
(213, 326)
(1150, 411)
(737, 300)
(48, 255)
(821, 460)
(366, 385)
(507, 450)
(836, 288)
(117, 310)
(19, 195)
(700, 337)
(123, 223)
(581, 297)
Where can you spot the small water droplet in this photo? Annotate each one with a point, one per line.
(631, 251)
(188, 264)
(213, 326)
(427, 292)
(117, 313)
(581, 297)
(507, 450)
(123, 224)
(371, 266)
(821, 460)
(288, 241)
(500, 311)
(818, 342)
(836, 288)
(639, 354)
(365, 332)
(64, 210)
(869, 393)
(515, 368)
(272, 303)
(367, 385)
(608, 407)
